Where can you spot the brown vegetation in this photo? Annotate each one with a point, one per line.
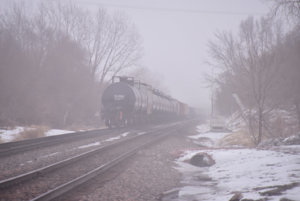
(54, 60)
(30, 133)
(258, 73)
(238, 138)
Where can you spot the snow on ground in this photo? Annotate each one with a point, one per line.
(9, 135)
(203, 128)
(142, 133)
(209, 139)
(107, 140)
(254, 173)
(125, 134)
(113, 138)
(57, 132)
(117, 137)
(89, 145)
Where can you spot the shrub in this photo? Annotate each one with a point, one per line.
(30, 133)
(238, 138)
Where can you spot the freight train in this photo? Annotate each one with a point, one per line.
(127, 101)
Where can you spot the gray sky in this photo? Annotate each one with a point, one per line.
(175, 35)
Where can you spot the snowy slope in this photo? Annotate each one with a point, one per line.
(10, 134)
(253, 173)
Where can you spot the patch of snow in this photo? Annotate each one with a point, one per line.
(203, 128)
(117, 137)
(235, 122)
(57, 132)
(125, 134)
(249, 171)
(240, 170)
(209, 139)
(255, 168)
(49, 155)
(112, 139)
(141, 133)
(9, 135)
(89, 145)
(292, 194)
(291, 140)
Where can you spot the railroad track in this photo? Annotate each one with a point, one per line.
(11, 148)
(68, 174)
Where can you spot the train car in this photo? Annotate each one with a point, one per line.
(194, 112)
(127, 101)
(183, 110)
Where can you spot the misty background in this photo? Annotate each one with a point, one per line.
(58, 56)
(175, 35)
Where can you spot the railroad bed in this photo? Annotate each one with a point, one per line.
(11, 148)
(66, 174)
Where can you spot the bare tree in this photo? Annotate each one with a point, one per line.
(249, 66)
(49, 52)
(291, 8)
(291, 87)
(145, 75)
(114, 45)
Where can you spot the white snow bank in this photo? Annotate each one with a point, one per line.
(117, 137)
(57, 132)
(125, 134)
(112, 139)
(89, 145)
(9, 135)
(241, 170)
(203, 128)
(107, 140)
(209, 139)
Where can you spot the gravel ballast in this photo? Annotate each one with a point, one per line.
(144, 177)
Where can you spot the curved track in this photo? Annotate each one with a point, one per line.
(100, 160)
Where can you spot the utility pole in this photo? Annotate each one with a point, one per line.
(212, 94)
(212, 91)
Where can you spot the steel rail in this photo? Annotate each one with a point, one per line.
(11, 148)
(29, 175)
(65, 188)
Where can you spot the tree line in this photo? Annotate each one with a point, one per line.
(259, 70)
(55, 59)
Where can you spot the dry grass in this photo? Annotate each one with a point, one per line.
(239, 138)
(30, 133)
(78, 127)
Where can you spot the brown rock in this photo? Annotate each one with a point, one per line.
(202, 160)
(236, 197)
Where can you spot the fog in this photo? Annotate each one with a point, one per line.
(218, 80)
(57, 56)
(175, 35)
